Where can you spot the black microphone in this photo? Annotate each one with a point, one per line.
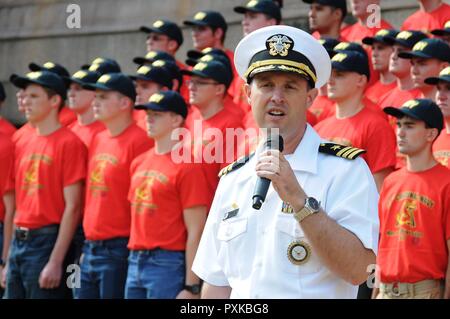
(262, 183)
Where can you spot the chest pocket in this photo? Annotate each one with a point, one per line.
(231, 228)
(290, 241)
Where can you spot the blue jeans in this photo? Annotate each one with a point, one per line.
(155, 274)
(103, 269)
(26, 261)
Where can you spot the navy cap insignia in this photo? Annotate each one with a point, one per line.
(279, 44)
(299, 252)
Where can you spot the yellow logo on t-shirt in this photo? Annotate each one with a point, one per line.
(143, 195)
(31, 181)
(97, 175)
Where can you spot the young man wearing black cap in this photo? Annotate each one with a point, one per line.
(441, 147)
(106, 220)
(66, 116)
(5, 127)
(289, 248)
(381, 53)
(166, 36)
(428, 58)
(169, 202)
(414, 211)
(354, 124)
(149, 80)
(86, 127)
(49, 183)
(325, 18)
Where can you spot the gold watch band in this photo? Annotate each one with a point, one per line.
(303, 213)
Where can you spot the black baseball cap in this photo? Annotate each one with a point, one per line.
(351, 61)
(215, 70)
(210, 57)
(380, 36)
(444, 76)
(165, 101)
(166, 27)
(152, 56)
(195, 56)
(339, 4)
(118, 82)
(43, 78)
(406, 38)
(208, 18)
(420, 109)
(103, 66)
(267, 7)
(83, 77)
(444, 31)
(329, 44)
(51, 67)
(156, 74)
(172, 68)
(2, 93)
(350, 46)
(428, 49)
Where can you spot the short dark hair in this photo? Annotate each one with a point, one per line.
(52, 93)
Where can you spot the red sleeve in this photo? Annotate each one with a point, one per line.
(7, 166)
(446, 209)
(192, 186)
(74, 161)
(380, 147)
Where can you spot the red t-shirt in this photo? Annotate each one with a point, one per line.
(366, 130)
(414, 212)
(428, 21)
(107, 210)
(7, 128)
(378, 89)
(6, 170)
(356, 32)
(316, 35)
(67, 116)
(441, 148)
(47, 165)
(86, 133)
(239, 96)
(322, 108)
(159, 192)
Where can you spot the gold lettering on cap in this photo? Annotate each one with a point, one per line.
(159, 63)
(80, 74)
(382, 32)
(420, 46)
(322, 41)
(94, 67)
(143, 69)
(156, 98)
(200, 15)
(151, 55)
(445, 71)
(98, 61)
(34, 75)
(207, 50)
(104, 78)
(447, 24)
(158, 24)
(252, 3)
(342, 46)
(207, 58)
(49, 65)
(411, 104)
(200, 66)
(405, 35)
(339, 57)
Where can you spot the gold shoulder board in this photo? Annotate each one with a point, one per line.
(235, 165)
(343, 151)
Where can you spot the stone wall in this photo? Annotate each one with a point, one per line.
(37, 31)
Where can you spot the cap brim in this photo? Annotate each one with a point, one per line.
(194, 54)
(21, 82)
(195, 23)
(95, 86)
(150, 106)
(440, 32)
(140, 60)
(436, 80)
(34, 67)
(191, 62)
(243, 10)
(150, 30)
(193, 72)
(368, 40)
(399, 112)
(410, 55)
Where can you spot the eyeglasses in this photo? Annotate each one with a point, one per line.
(200, 83)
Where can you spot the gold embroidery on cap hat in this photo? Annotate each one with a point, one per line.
(252, 3)
(420, 46)
(405, 35)
(207, 50)
(447, 24)
(342, 46)
(34, 75)
(382, 32)
(159, 63)
(279, 45)
(94, 67)
(158, 24)
(273, 62)
(98, 61)
(200, 66)
(445, 71)
(200, 16)
(104, 78)
(156, 98)
(339, 57)
(411, 104)
(151, 55)
(143, 69)
(49, 65)
(80, 74)
(207, 58)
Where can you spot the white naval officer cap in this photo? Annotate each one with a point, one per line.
(285, 49)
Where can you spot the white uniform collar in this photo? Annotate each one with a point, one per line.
(304, 157)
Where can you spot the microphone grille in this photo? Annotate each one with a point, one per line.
(275, 141)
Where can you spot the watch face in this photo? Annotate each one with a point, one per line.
(313, 203)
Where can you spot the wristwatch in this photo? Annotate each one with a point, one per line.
(312, 206)
(193, 289)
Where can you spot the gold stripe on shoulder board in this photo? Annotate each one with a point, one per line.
(235, 165)
(338, 150)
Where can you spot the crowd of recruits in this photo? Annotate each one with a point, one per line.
(126, 166)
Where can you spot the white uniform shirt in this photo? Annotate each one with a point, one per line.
(249, 252)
